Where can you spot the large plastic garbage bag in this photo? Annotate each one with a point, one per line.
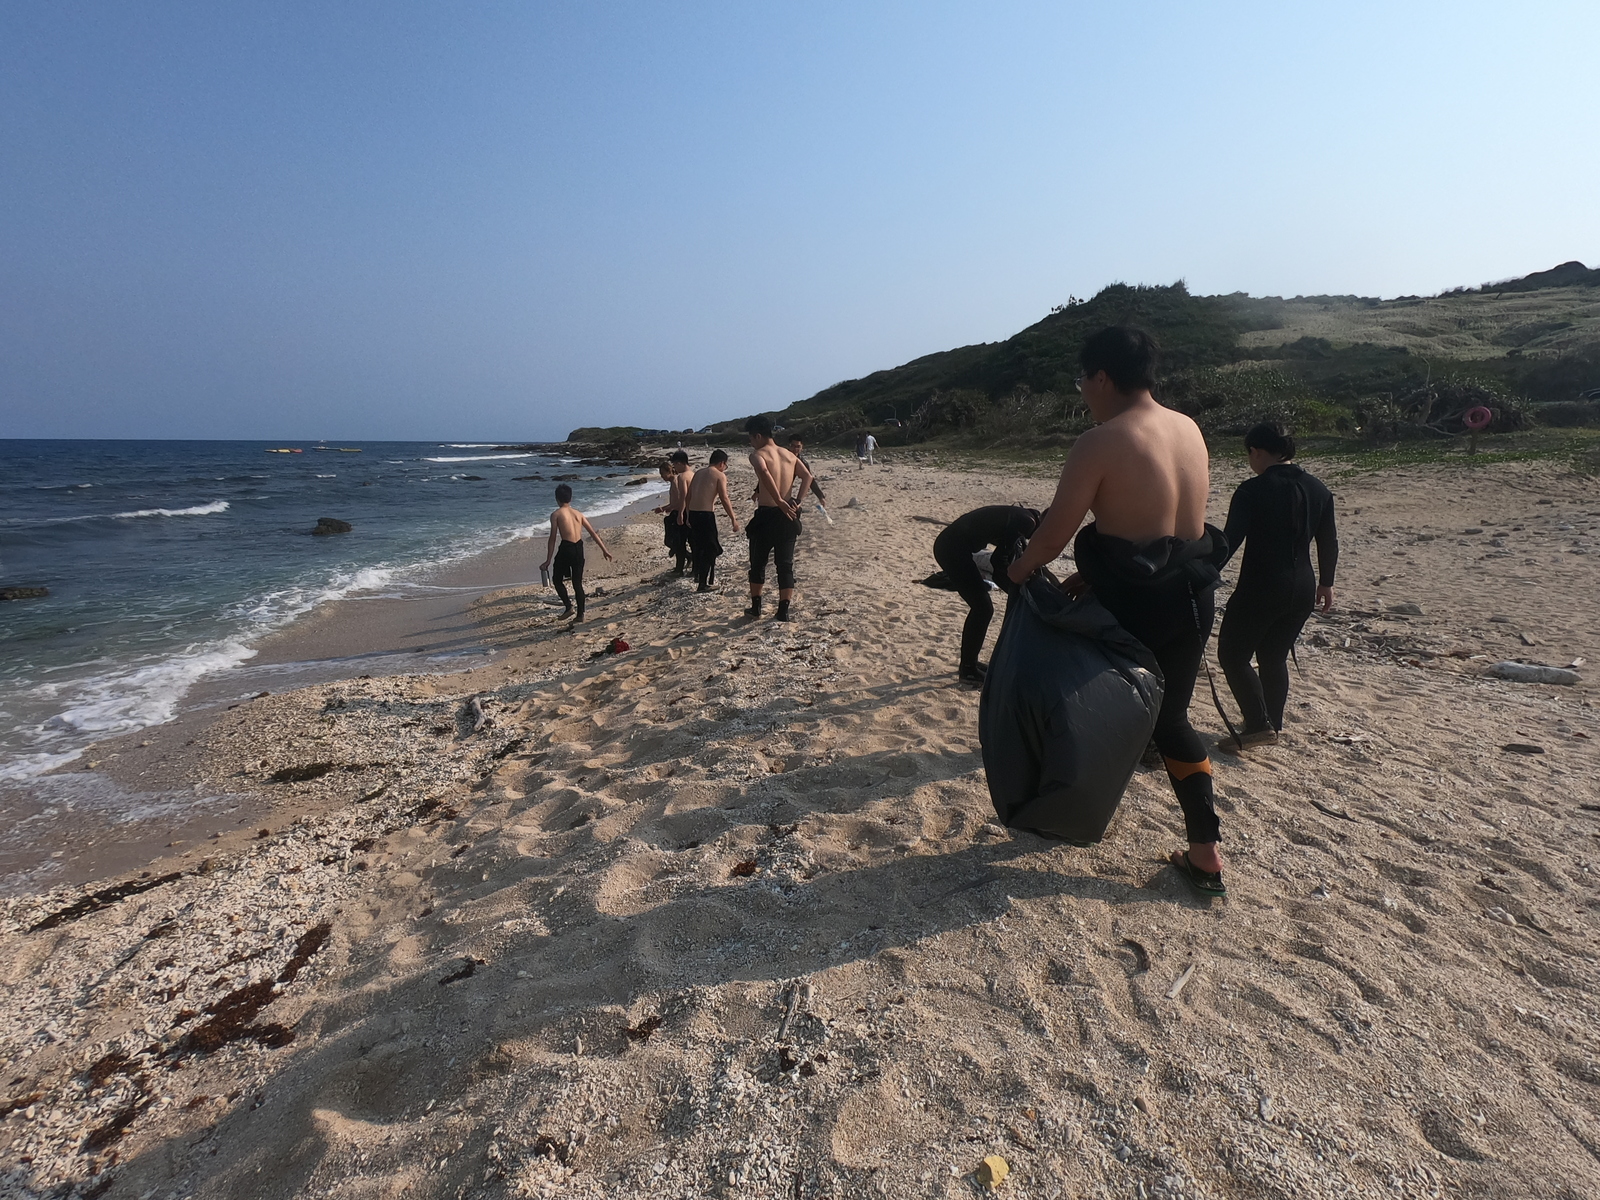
(1068, 707)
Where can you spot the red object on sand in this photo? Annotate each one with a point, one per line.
(1477, 418)
(618, 646)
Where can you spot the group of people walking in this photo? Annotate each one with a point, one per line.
(1147, 556)
(689, 520)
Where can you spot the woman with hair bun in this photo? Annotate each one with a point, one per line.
(1275, 516)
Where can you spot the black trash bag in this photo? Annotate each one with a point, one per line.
(1068, 707)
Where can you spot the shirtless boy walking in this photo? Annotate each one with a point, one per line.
(1149, 557)
(567, 526)
(776, 524)
(709, 485)
(677, 500)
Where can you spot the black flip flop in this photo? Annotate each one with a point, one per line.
(1207, 883)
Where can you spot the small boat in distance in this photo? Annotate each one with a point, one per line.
(286, 451)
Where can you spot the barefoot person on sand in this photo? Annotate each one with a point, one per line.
(1143, 472)
(776, 524)
(1275, 516)
(710, 484)
(568, 525)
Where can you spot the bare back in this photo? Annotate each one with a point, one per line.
(678, 498)
(704, 489)
(1152, 474)
(780, 464)
(567, 523)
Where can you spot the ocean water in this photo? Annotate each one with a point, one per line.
(167, 562)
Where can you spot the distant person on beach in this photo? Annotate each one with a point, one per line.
(567, 527)
(1275, 516)
(998, 525)
(797, 448)
(1144, 473)
(709, 485)
(776, 524)
(866, 446)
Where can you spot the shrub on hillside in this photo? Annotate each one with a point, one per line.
(1439, 408)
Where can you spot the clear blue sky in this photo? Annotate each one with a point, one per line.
(486, 221)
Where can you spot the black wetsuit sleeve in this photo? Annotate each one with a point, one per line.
(1238, 522)
(1327, 542)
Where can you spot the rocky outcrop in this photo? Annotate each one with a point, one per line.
(327, 526)
(23, 593)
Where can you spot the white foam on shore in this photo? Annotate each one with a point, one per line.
(142, 694)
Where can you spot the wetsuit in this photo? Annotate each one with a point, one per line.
(569, 564)
(998, 525)
(1161, 593)
(773, 534)
(707, 545)
(1275, 515)
(677, 540)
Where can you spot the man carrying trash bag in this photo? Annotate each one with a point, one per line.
(1080, 681)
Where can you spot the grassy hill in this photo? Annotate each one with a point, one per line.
(1357, 366)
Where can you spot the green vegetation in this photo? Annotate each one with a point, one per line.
(1376, 372)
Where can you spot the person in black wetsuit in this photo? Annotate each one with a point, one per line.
(1276, 516)
(565, 552)
(997, 525)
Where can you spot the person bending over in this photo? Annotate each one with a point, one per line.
(776, 524)
(567, 526)
(1275, 515)
(709, 485)
(1144, 473)
(998, 525)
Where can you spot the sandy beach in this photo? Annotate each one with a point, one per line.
(728, 914)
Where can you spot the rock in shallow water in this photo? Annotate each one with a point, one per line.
(331, 525)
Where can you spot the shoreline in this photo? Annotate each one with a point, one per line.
(79, 806)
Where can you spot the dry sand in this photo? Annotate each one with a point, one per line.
(727, 915)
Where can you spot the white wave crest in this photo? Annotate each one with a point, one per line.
(475, 457)
(198, 510)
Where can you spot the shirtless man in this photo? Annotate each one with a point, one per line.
(676, 524)
(776, 525)
(709, 485)
(1144, 473)
(568, 525)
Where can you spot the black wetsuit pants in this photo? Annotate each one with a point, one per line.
(706, 544)
(569, 565)
(964, 573)
(677, 540)
(1263, 623)
(773, 534)
(1174, 624)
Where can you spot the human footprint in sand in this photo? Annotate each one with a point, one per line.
(567, 527)
(1144, 473)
